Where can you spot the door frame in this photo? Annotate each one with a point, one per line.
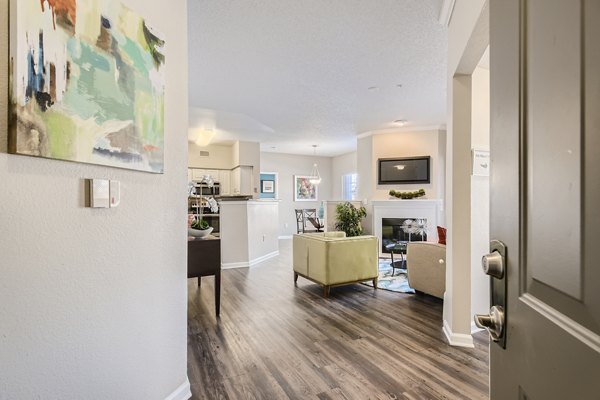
(468, 33)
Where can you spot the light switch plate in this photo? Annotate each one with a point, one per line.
(115, 194)
(99, 193)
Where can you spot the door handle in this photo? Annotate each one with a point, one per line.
(494, 265)
(492, 322)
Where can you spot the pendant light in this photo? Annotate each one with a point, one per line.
(315, 176)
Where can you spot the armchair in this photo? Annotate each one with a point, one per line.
(426, 265)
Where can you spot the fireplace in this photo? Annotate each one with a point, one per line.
(428, 213)
(394, 230)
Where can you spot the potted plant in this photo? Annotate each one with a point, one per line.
(348, 218)
(197, 227)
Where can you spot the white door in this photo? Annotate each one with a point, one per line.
(545, 197)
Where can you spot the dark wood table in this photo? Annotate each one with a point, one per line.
(204, 259)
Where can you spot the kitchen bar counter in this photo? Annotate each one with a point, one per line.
(249, 232)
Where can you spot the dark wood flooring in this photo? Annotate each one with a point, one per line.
(278, 341)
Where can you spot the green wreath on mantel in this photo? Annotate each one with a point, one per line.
(407, 195)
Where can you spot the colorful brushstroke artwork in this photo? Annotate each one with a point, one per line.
(87, 84)
(304, 189)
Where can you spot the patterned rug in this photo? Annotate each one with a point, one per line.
(396, 283)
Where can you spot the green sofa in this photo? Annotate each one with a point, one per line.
(332, 259)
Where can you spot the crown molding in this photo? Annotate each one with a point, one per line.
(446, 12)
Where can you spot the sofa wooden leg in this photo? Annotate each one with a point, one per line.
(375, 283)
(295, 277)
(326, 290)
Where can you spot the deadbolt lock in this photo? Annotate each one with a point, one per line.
(493, 264)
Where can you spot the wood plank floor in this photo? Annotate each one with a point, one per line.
(278, 341)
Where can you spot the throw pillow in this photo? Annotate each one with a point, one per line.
(441, 235)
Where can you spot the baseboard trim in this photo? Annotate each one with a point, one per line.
(285, 237)
(251, 263)
(263, 258)
(235, 265)
(457, 339)
(183, 392)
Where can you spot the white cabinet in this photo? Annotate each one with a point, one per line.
(190, 175)
(236, 181)
(198, 174)
(225, 182)
(246, 180)
(214, 173)
(242, 180)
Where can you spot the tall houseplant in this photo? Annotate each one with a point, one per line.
(348, 218)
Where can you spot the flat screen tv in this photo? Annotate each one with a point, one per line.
(404, 170)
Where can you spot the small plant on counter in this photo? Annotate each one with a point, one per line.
(407, 195)
(200, 224)
(348, 218)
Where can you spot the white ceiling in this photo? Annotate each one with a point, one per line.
(292, 73)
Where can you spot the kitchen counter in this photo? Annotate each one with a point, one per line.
(249, 232)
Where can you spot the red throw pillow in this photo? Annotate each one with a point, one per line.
(441, 235)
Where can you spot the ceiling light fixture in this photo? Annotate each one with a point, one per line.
(400, 122)
(315, 176)
(205, 136)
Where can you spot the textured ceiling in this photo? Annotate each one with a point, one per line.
(292, 73)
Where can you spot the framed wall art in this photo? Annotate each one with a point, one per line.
(267, 186)
(304, 190)
(87, 84)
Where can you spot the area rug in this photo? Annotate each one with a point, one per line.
(396, 283)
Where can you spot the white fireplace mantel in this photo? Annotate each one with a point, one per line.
(430, 209)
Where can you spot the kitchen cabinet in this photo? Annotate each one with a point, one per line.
(199, 173)
(242, 180)
(225, 182)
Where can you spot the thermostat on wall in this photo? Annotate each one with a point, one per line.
(99, 193)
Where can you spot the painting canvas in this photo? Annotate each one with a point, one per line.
(87, 84)
(304, 190)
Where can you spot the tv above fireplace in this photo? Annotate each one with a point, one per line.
(404, 170)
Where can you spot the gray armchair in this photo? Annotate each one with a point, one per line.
(426, 264)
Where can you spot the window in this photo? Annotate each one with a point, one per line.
(350, 186)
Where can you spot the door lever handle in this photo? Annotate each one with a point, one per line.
(492, 322)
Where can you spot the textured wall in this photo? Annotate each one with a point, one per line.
(93, 302)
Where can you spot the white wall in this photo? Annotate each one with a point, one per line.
(480, 192)
(407, 144)
(340, 166)
(288, 165)
(220, 157)
(93, 302)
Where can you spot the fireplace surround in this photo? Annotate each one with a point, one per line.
(406, 220)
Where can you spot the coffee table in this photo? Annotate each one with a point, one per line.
(399, 248)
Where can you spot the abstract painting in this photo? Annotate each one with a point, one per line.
(87, 84)
(304, 190)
